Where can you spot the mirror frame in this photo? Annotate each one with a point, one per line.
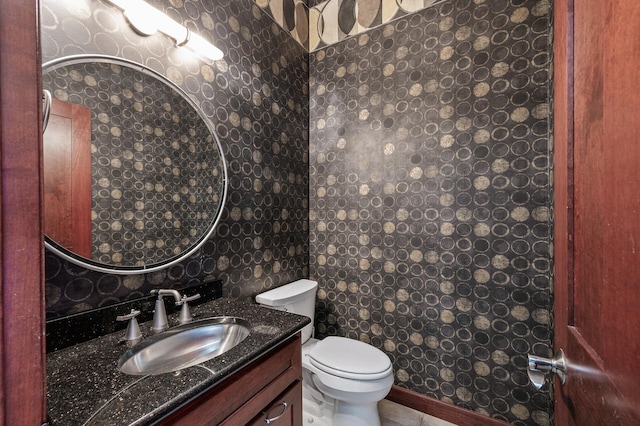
(130, 270)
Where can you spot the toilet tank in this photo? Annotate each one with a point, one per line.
(298, 297)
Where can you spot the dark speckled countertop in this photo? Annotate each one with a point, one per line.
(85, 387)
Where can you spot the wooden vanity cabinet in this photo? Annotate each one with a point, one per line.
(268, 388)
(286, 410)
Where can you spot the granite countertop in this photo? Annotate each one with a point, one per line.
(84, 385)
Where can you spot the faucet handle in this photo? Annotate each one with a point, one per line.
(185, 313)
(133, 334)
(128, 316)
(190, 298)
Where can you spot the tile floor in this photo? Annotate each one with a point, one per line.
(392, 414)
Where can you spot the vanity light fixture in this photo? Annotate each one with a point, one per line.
(147, 20)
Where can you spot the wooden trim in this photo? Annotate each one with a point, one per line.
(563, 183)
(439, 409)
(22, 348)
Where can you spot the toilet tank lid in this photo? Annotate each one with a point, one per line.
(287, 293)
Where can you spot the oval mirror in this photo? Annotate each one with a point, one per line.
(135, 178)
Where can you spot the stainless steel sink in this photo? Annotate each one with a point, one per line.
(184, 346)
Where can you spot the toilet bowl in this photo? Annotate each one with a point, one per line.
(351, 375)
(343, 379)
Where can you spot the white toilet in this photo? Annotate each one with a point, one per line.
(343, 379)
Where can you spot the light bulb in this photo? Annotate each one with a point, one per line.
(202, 47)
(147, 20)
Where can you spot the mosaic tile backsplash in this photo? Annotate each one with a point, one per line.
(430, 199)
(257, 98)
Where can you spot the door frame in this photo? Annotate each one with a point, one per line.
(22, 345)
(562, 183)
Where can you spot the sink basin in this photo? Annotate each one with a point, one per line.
(183, 346)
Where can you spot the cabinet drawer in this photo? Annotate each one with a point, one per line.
(286, 409)
(237, 399)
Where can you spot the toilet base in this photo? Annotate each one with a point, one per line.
(356, 414)
(316, 410)
(329, 412)
(314, 415)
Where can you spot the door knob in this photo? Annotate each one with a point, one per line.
(539, 367)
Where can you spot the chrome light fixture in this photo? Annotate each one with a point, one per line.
(147, 20)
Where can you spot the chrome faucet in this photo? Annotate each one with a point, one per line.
(160, 322)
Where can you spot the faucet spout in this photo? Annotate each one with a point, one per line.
(169, 292)
(160, 322)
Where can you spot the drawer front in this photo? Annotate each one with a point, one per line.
(285, 410)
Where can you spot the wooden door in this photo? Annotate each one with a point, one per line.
(22, 340)
(597, 210)
(67, 177)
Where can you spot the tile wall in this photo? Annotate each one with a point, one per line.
(418, 147)
(319, 23)
(257, 100)
(430, 199)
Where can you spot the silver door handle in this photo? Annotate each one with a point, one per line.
(539, 367)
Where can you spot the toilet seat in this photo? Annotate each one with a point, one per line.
(350, 359)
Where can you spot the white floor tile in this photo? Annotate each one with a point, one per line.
(392, 414)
